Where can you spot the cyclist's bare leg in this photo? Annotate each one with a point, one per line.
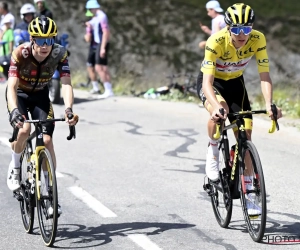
(49, 145)
(103, 72)
(92, 73)
(19, 145)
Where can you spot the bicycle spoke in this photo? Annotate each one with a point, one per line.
(253, 198)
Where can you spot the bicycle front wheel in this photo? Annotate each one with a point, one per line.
(220, 194)
(27, 201)
(46, 197)
(253, 192)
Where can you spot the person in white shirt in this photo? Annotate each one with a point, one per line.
(4, 12)
(214, 10)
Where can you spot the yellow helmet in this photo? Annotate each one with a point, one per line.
(42, 27)
(239, 14)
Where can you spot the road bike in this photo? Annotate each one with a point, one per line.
(38, 185)
(234, 165)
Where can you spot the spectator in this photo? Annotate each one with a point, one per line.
(89, 38)
(43, 9)
(100, 27)
(217, 23)
(6, 48)
(4, 12)
(8, 37)
(27, 14)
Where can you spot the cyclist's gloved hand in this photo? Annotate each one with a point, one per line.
(16, 119)
(71, 118)
(216, 114)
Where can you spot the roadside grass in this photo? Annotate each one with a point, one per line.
(287, 98)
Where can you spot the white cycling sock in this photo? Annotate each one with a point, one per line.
(107, 86)
(95, 85)
(16, 159)
(213, 148)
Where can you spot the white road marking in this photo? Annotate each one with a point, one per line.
(92, 202)
(59, 175)
(144, 242)
(5, 141)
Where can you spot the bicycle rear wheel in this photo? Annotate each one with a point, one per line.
(255, 194)
(46, 197)
(27, 201)
(221, 200)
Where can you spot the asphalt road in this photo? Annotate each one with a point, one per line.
(132, 179)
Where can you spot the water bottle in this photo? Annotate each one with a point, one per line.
(232, 153)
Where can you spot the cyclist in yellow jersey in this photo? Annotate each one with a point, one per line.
(220, 83)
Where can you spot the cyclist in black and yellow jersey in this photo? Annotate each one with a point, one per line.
(220, 83)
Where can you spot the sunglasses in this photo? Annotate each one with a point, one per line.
(237, 30)
(42, 41)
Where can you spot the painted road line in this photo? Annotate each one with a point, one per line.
(5, 141)
(59, 175)
(92, 202)
(144, 242)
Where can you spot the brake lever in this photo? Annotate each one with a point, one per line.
(274, 111)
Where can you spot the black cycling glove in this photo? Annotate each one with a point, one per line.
(70, 114)
(15, 117)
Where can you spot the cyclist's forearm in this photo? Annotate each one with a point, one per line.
(267, 88)
(12, 87)
(67, 92)
(208, 90)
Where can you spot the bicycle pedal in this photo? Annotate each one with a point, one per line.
(18, 196)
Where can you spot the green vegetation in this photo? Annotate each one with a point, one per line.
(286, 98)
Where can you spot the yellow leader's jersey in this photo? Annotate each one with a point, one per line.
(226, 62)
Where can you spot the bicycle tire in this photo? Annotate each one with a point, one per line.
(222, 214)
(48, 197)
(256, 231)
(27, 202)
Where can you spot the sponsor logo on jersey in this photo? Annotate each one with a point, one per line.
(224, 66)
(208, 64)
(260, 49)
(263, 62)
(13, 68)
(65, 68)
(245, 52)
(220, 39)
(211, 50)
(25, 52)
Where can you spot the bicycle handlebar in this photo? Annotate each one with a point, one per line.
(69, 137)
(274, 123)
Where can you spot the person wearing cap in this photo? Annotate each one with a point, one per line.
(8, 37)
(4, 12)
(42, 7)
(214, 10)
(100, 27)
(89, 38)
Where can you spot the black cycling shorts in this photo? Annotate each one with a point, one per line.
(91, 57)
(233, 92)
(38, 105)
(98, 59)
